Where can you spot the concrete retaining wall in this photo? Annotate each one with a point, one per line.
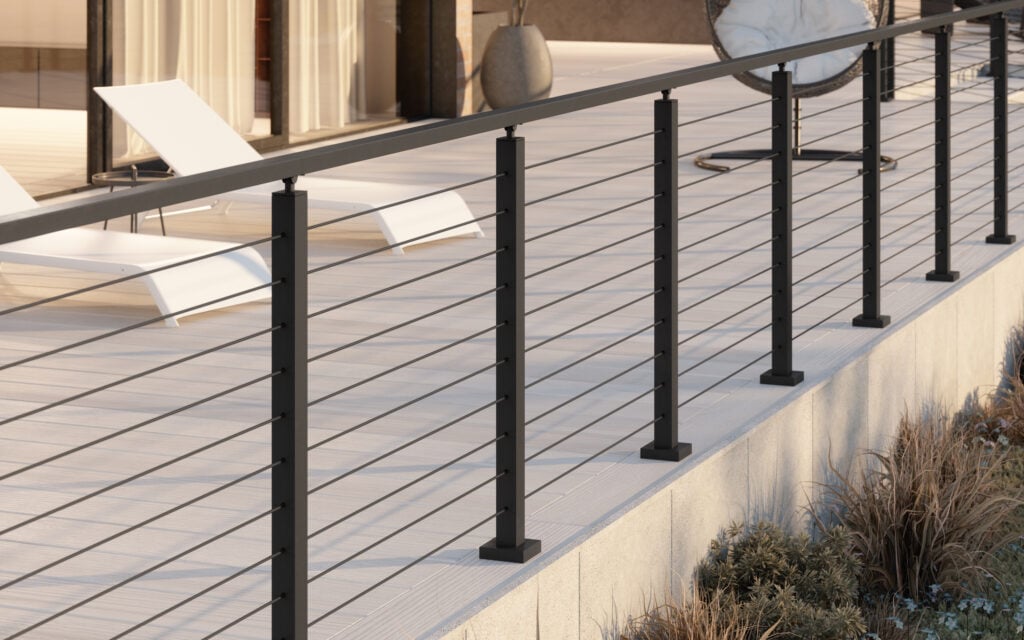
(937, 356)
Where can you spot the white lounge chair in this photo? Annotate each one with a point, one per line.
(178, 291)
(191, 137)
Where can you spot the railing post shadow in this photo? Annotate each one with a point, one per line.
(782, 372)
(289, 398)
(872, 211)
(510, 543)
(999, 69)
(943, 160)
(666, 445)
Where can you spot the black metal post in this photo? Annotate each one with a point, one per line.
(289, 398)
(998, 66)
(666, 445)
(871, 184)
(782, 372)
(943, 162)
(510, 543)
(888, 50)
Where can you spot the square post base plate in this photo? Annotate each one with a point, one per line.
(935, 276)
(790, 379)
(994, 239)
(874, 323)
(675, 454)
(520, 554)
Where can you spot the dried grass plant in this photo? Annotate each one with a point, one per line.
(928, 512)
(715, 616)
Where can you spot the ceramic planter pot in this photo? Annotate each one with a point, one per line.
(516, 67)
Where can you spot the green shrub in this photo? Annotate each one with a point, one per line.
(805, 588)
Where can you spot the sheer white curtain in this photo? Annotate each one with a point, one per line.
(327, 50)
(210, 44)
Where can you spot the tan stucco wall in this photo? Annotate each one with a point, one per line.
(680, 21)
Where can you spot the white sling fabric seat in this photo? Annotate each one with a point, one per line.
(205, 284)
(191, 138)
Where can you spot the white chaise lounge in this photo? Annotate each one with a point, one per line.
(177, 291)
(191, 137)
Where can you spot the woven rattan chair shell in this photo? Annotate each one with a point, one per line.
(714, 8)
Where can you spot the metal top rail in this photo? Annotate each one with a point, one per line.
(18, 226)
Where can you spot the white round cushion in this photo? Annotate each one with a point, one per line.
(748, 27)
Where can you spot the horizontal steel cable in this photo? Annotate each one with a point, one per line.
(857, 126)
(589, 322)
(592, 457)
(725, 113)
(719, 323)
(591, 184)
(593, 252)
(398, 203)
(195, 596)
(971, 128)
(379, 541)
(594, 388)
(719, 234)
(126, 329)
(244, 617)
(592, 354)
(404, 405)
(133, 377)
(910, 246)
(977, 188)
(970, 171)
(914, 221)
(135, 276)
(132, 478)
(576, 432)
(721, 351)
(827, 318)
(930, 145)
(600, 147)
(136, 426)
(404, 283)
(403, 365)
(719, 203)
(971, 232)
(722, 142)
(597, 216)
(909, 200)
(832, 237)
(413, 240)
(970, 149)
(407, 485)
(829, 213)
(903, 273)
(838, 158)
(972, 211)
(724, 290)
(591, 287)
(404, 324)
(910, 177)
(829, 265)
(971, 108)
(808, 116)
(973, 43)
(914, 83)
(724, 379)
(405, 568)
(146, 572)
(916, 105)
(968, 88)
(908, 131)
(139, 525)
(830, 291)
(734, 256)
(719, 174)
(405, 445)
(903, 63)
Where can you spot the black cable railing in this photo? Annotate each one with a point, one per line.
(404, 366)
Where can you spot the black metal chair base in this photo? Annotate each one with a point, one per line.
(811, 155)
(935, 276)
(874, 323)
(520, 554)
(675, 454)
(790, 379)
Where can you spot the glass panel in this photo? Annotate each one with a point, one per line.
(342, 65)
(43, 80)
(209, 45)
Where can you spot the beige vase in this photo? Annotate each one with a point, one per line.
(516, 67)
